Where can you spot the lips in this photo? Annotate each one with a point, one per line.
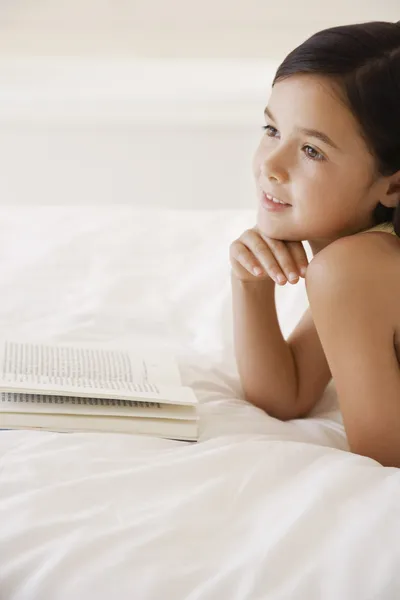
(271, 206)
(275, 199)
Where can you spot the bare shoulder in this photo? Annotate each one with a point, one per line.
(364, 269)
(368, 257)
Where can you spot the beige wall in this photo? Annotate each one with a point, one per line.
(155, 28)
(154, 103)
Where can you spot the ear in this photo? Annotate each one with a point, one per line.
(392, 196)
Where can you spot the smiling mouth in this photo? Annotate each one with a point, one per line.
(270, 204)
(275, 200)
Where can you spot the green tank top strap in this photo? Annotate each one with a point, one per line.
(387, 227)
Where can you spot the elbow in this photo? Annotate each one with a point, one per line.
(387, 457)
(283, 411)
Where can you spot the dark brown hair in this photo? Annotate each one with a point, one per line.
(364, 58)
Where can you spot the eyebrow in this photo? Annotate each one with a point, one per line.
(312, 132)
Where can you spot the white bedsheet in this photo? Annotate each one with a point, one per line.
(257, 509)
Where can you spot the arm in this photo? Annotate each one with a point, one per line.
(285, 378)
(353, 291)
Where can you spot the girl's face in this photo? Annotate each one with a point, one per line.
(329, 180)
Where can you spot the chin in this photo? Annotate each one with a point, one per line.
(276, 229)
(269, 226)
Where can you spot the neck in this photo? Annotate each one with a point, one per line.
(317, 245)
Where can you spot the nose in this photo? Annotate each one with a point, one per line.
(273, 171)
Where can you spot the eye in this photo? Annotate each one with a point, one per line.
(269, 128)
(310, 152)
(314, 154)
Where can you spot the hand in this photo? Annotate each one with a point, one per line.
(274, 259)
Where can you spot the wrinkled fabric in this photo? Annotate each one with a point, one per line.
(256, 509)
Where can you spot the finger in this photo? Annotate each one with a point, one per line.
(299, 254)
(246, 259)
(285, 259)
(262, 252)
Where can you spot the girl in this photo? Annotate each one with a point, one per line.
(327, 170)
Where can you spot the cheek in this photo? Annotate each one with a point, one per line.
(256, 164)
(317, 201)
(331, 211)
(259, 157)
(318, 187)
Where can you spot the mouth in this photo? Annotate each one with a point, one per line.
(271, 203)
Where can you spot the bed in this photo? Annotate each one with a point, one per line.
(256, 509)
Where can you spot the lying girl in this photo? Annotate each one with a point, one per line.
(327, 171)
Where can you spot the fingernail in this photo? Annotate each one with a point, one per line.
(292, 276)
(257, 271)
(281, 278)
(303, 271)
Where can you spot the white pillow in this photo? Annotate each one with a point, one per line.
(117, 274)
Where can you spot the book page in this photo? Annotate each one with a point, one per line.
(113, 391)
(50, 404)
(168, 428)
(84, 366)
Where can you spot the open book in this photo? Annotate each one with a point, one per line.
(82, 388)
